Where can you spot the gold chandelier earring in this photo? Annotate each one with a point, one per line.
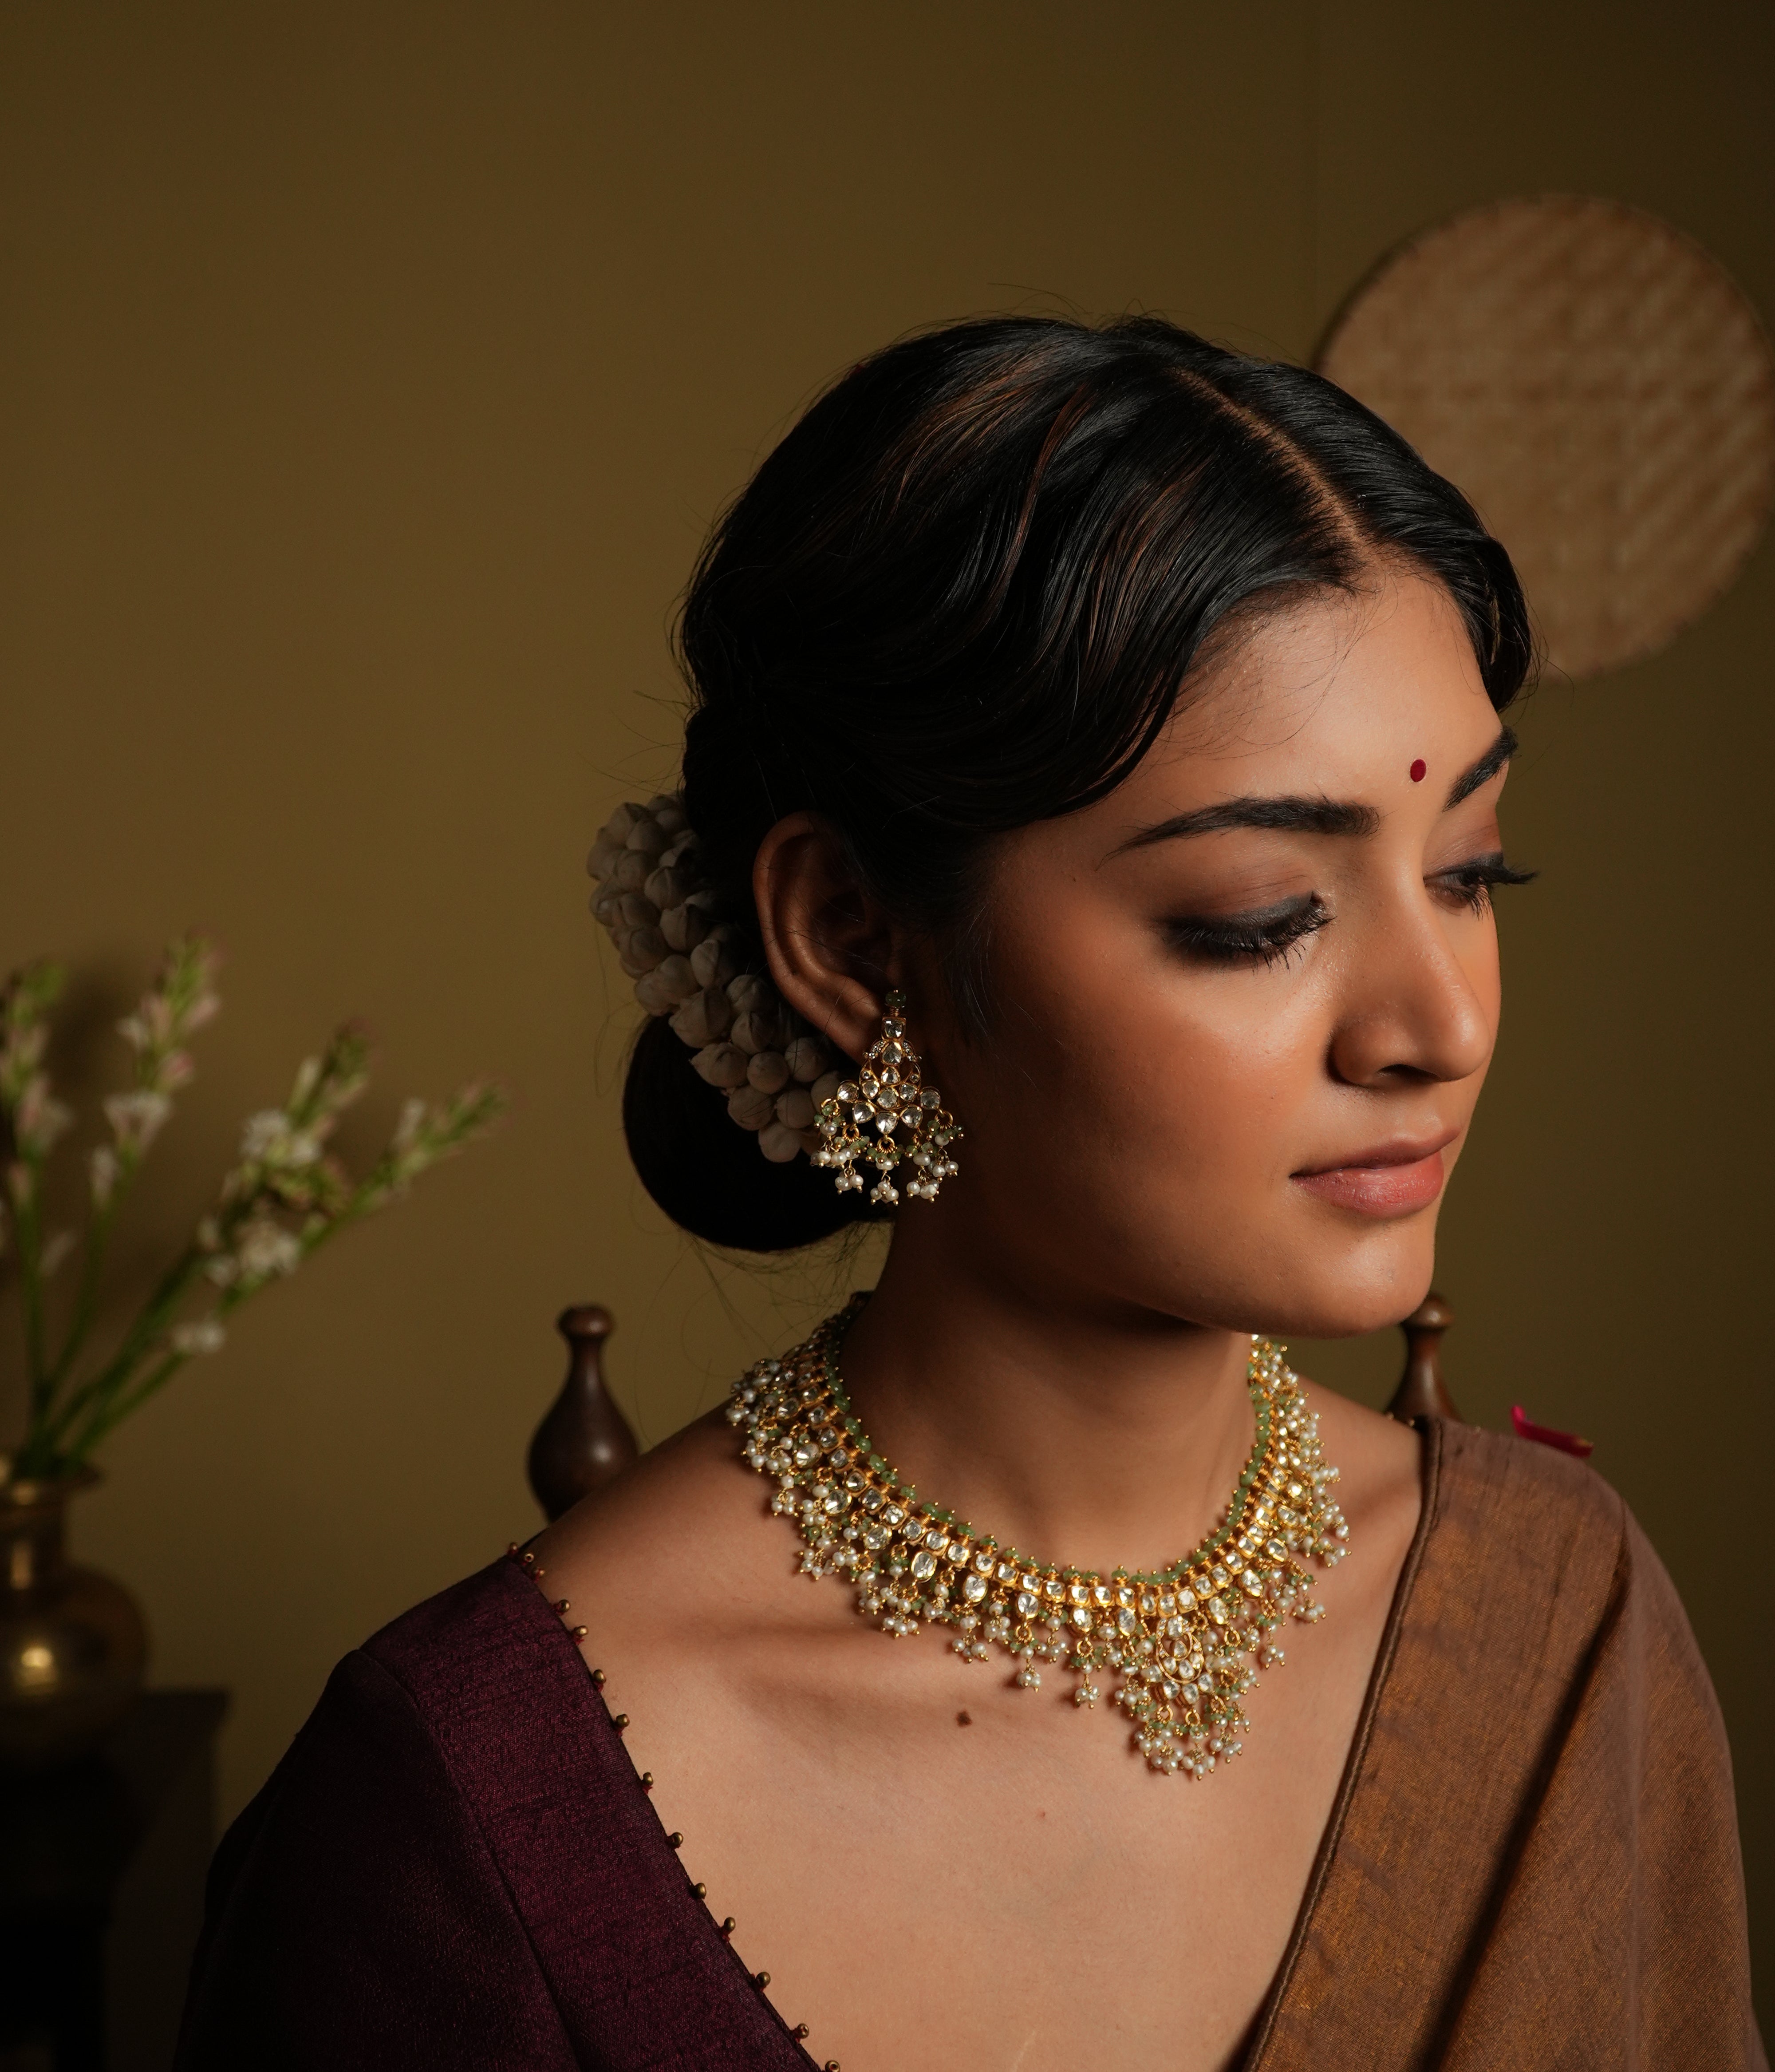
(887, 1116)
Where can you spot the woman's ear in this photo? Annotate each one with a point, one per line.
(832, 950)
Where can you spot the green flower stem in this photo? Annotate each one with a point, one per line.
(109, 1399)
(47, 1446)
(86, 1297)
(27, 1222)
(105, 1416)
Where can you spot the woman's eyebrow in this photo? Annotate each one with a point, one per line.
(1486, 768)
(1291, 816)
(1299, 816)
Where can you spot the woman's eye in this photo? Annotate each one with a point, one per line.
(1470, 884)
(1265, 937)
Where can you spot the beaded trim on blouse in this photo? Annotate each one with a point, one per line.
(524, 1559)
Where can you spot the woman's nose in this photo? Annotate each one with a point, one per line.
(1416, 1010)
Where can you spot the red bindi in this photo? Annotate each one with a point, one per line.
(1420, 771)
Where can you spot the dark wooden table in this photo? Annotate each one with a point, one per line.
(101, 1893)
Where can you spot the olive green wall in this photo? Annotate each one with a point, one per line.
(368, 378)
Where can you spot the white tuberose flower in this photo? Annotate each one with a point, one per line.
(102, 1165)
(202, 1335)
(38, 1118)
(268, 1139)
(136, 1118)
(264, 1249)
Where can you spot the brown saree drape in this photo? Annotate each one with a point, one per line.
(1533, 1862)
(1534, 1859)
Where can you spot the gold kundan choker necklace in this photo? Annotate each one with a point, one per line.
(1179, 1641)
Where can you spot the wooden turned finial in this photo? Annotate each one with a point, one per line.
(1422, 1393)
(584, 1440)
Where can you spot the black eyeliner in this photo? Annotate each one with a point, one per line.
(1478, 876)
(1266, 935)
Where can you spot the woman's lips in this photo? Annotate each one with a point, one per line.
(1391, 1181)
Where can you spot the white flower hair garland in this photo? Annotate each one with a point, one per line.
(693, 967)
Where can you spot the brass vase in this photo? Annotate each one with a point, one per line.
(72, 1643)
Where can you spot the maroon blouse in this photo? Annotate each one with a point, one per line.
(456, 1868)
(1532, 1862)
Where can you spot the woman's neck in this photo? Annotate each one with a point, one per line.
(1091, 1435)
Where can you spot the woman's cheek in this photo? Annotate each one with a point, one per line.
(1193, 1113)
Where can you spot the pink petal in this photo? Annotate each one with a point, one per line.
(1544, 1435)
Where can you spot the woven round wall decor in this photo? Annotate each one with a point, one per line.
(1599, 386)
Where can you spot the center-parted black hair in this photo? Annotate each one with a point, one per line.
(963, 594)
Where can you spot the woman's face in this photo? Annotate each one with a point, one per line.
(1243, 1006)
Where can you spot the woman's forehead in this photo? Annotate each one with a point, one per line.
(1324, 695)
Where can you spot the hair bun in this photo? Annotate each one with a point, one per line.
(707, 1175)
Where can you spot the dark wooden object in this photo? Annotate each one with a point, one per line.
(1422, 1393)
(102, 1865)
(584, 1440)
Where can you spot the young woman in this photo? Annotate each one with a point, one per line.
(1085, 857)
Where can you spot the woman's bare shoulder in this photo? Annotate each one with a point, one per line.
(674, 1544)
(651, 1502)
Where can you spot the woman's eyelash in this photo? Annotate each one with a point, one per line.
(1472, 881)
(1266, 937)
(1270, 935)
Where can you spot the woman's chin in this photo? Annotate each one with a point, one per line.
(1364, 1287)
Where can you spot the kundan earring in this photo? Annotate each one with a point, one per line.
(887, 1116)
